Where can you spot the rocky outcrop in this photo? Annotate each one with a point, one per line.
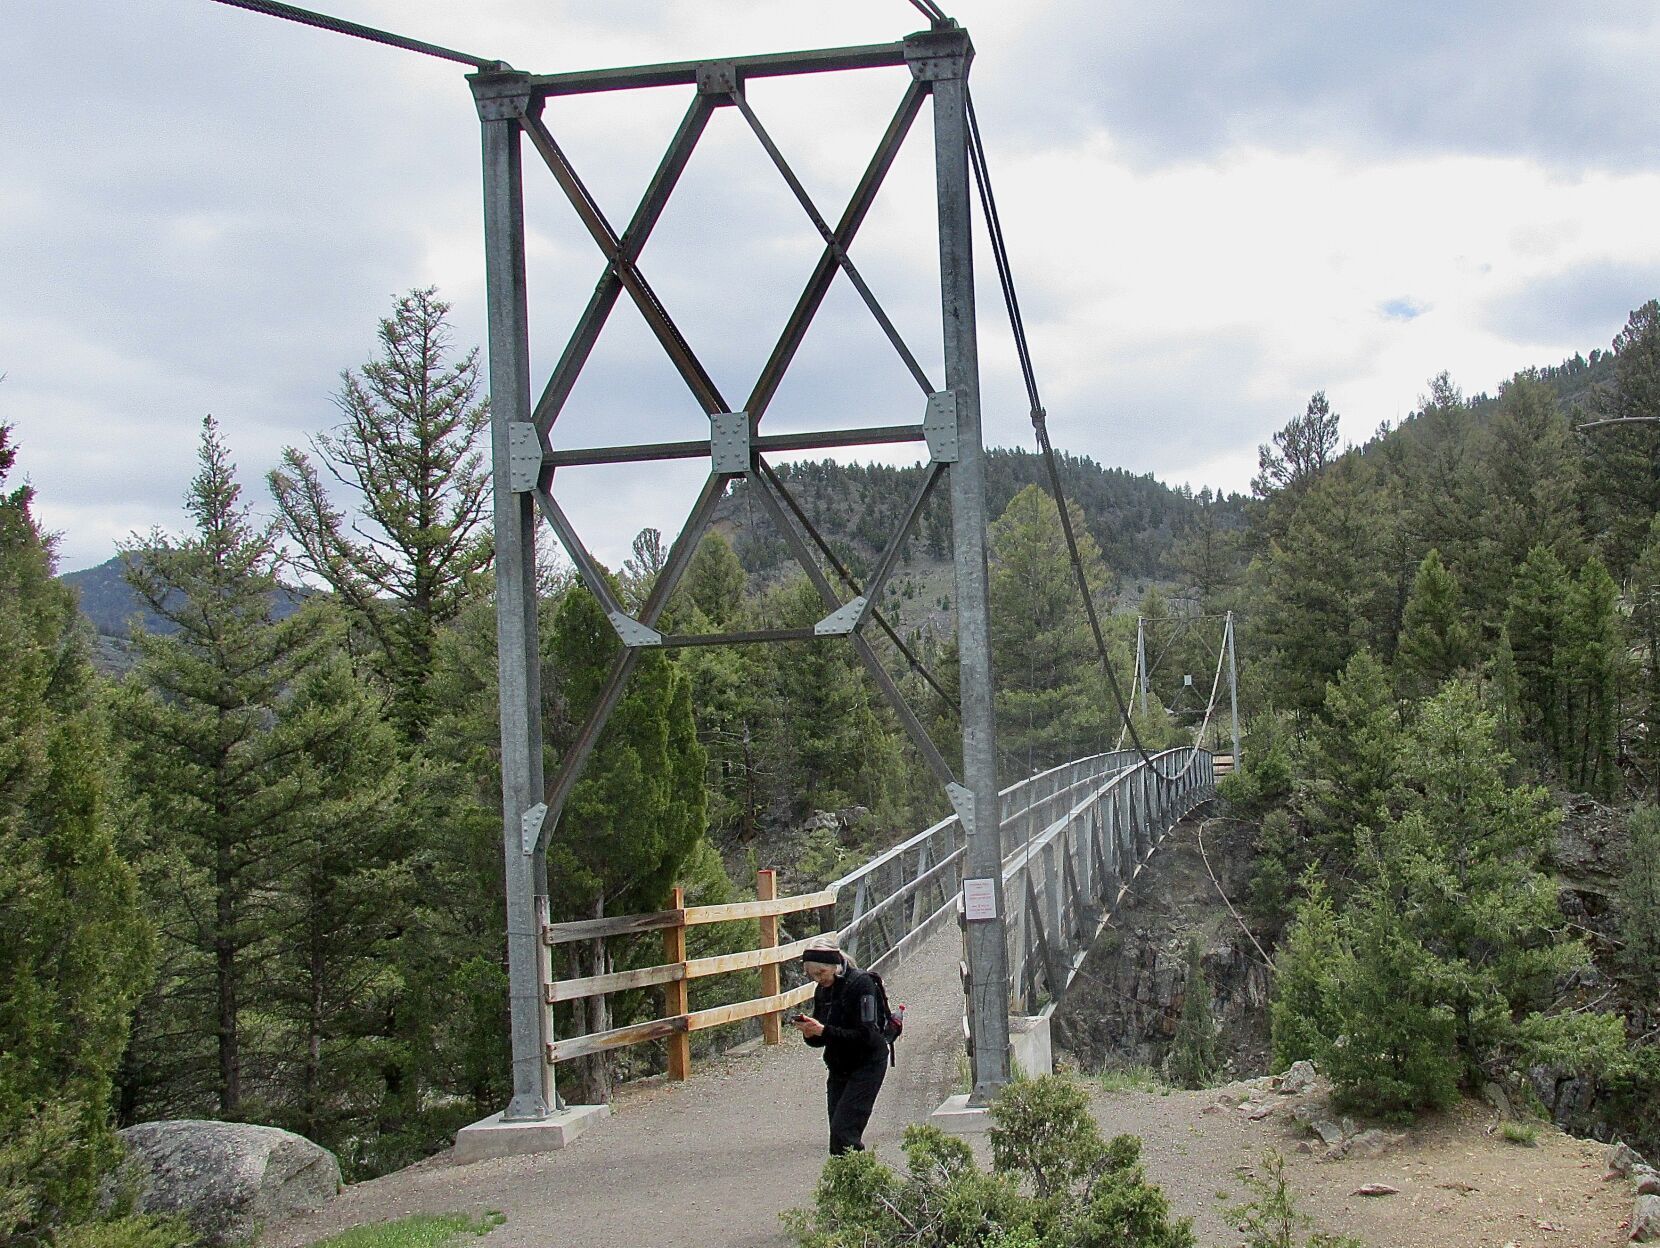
(227, 1178)
(1121, 1010)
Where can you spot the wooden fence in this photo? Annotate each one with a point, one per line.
(676, 971)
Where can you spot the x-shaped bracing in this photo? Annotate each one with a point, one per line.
(735, 447)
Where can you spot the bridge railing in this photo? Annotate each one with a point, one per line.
(888, 905)
(1072, 838)
(1067, 879)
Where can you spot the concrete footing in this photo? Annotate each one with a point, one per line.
(957, 1117)
(491, 1137)
(1031, 1051)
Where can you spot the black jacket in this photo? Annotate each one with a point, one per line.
(852, 1033)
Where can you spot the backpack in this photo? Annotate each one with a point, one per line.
(890, 1020)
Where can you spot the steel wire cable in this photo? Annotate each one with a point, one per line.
(339, 26)
(1040, 425)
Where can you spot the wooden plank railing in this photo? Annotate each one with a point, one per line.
(676, 970)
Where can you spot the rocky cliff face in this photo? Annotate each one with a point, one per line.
(1122, 1009)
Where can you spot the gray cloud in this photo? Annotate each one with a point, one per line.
(1575, 306)
(1187, 79)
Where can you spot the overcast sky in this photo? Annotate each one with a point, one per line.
(1215, 207)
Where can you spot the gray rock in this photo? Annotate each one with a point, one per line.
(1297, 1080)
(1648, 1182)
(1374, 1143)
(1329, 1132)
(228, 1178)
(1623, 1159)
(1495, 1096)
(1645, 1220)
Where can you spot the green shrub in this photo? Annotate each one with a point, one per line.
(1270, 1219)
(1193, 1061)
(1524, 1133)
(1054, 1183)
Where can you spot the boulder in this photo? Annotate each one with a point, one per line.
(1298, 1080)
(1647, 1181)
(228, 1178)
(1645, 1220)
(1623, 1159)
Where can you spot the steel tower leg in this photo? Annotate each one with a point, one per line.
(516, 636)
(949, 54)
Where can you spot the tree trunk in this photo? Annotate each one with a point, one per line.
(592, 1082)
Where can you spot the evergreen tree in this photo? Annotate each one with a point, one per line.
(410, 451)
(74, 948)
(1591, 661)
(1193, 1060)
(1643, 596)
(639, 811)
(825, 745)
(1434, 642)
(1622, 462)
(1397, 1052)
(1507, 693)
(1049, 695)
(1535, 623)
(1308, 967)
(341, 904)
(1349, 764)
(1532, 477)
(215, 769)
(1639, 906)
(1321, 590)
(1299, 455)
(1464, 864)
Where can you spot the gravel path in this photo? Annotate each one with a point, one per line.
(712, 1161)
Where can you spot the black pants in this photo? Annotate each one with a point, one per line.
(850, 1097)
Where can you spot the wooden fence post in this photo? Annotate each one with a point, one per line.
(766, 889)
(675, 997)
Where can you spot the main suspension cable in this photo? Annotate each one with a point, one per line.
(1040, 425)
(339, 26)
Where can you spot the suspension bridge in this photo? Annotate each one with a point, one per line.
(994, 906)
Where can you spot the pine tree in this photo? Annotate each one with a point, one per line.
(1350, 760)
(410, 451)
(1322, 591)
(638, 813)
(1308, 967)
(341, 903)
(215, 770)
(1643, 596)
(1536, 623)
(1622, 462)
(1049, 686)
(1434, 641)
(1193, 1060)
(1639, 906)
(74, 947)
(1593, 652)
(1299, 455)
(1465, 863)
(1532, 473)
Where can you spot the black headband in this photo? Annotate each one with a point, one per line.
(831, 957)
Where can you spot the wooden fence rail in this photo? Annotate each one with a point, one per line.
(676, 970)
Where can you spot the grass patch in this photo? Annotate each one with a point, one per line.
(1132, 1079)
(418, 1230)
(1523, 1133)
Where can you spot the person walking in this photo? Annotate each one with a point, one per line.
(846, 1024)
